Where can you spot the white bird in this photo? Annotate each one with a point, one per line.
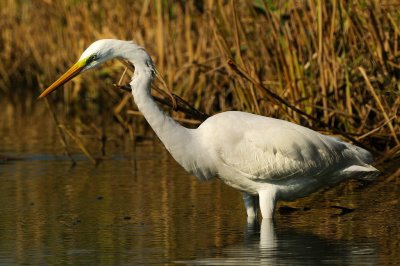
(266, 159)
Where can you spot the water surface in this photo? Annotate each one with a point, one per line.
(140, 207)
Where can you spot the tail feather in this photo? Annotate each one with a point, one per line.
(364, 172)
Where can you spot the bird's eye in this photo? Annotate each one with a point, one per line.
(91, 58)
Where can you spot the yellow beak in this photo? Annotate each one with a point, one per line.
(67, 76)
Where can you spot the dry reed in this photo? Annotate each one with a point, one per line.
(333, 65)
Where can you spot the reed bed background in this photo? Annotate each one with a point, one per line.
(333, 66)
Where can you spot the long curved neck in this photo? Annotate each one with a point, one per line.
(171, 133)
(174, 136)
(183, 144)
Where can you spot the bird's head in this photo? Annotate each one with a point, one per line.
(96, 54)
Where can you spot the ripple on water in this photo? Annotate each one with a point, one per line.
(142, 208)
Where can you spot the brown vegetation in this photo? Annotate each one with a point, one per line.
(333, 66)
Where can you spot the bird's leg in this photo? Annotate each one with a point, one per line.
(267, 202)
(251, 204)
(268, 239)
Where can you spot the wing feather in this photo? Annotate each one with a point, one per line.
(273, 150)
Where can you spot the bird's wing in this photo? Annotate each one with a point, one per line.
(276, 150)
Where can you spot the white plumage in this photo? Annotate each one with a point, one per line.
(267, 159)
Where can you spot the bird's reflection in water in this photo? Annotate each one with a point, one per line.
(265, 244)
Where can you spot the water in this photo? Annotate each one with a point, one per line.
(140, 207)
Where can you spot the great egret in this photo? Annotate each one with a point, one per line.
(267, 159)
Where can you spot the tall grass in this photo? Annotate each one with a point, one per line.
(330, 65)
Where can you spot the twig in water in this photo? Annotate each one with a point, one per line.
(60, 132)
(79, 143)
